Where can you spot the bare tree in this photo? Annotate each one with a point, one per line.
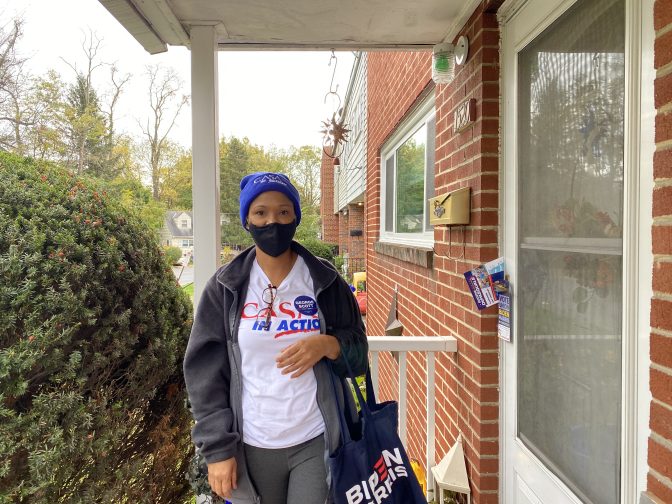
(13, 86)
(166, 101)
(118, 82)
(83, 111)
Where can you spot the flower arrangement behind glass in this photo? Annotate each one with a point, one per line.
(594, 273)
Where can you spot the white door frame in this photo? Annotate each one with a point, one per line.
(637, 258)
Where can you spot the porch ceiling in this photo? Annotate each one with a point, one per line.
(294, 24)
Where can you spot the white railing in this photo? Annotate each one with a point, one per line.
(403, 344)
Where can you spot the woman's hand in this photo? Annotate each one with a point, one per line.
(222, 477)
(301, 356)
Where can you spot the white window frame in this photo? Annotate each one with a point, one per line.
(421, 116)
(184, 223)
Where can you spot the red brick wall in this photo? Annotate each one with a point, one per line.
(343, 232)
(660, 455)
(436, 301)
(329, 218)
(356, 244)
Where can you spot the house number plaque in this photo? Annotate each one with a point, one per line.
(465, 115)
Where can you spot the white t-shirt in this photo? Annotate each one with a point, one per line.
(278, 411)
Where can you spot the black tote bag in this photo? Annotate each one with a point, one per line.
(371, 465)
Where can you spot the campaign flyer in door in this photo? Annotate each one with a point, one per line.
(504, 317)
(484, 280)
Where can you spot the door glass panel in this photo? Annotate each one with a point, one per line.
(570, 118)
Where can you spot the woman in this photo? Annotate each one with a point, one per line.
(256, 365)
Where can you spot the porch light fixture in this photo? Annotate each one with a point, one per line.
(451, 473)
(443, 63)
(444, 58)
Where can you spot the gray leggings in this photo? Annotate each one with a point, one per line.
(294, 475)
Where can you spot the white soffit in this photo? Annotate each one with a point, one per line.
(295, 24)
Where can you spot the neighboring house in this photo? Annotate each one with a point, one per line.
(178, 231)
(343, 214)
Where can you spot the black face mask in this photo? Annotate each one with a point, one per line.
(273, 239)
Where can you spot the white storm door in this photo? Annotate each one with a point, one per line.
(563, 191)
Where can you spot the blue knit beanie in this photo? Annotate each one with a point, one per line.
(256, 183)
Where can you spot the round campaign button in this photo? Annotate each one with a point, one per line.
(305, 305)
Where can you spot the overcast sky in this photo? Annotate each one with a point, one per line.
(273, 98)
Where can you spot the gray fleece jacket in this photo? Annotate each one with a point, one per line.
(212, 363)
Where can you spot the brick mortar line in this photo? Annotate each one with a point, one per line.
(662, 148)
(486, 368)
(665, 109)
(469, 143)
(473, 398)
(661, 478)
(663, 296)
(408, 299)
(482, 333)
(464, 147)
(663, 220)
(477, 488)
(465, 392)
(661, 332)
(662, 258)
(665, 370)
(468, 424)
(469, 160)
(664, 70)
(664, 145)
(664, 30)
(667, 443)
(661, 403)
(662, 182)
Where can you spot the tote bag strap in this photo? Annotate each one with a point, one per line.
(345, 432)
(370, 401)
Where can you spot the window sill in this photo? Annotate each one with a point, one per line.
(421, 256)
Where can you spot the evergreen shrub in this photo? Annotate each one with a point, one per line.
(319, 248)
(92, 332)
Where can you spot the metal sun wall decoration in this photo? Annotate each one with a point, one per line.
(334, 130)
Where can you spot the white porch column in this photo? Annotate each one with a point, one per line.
(205, 155)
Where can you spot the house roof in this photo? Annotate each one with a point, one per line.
(294, 24)
(174, 229)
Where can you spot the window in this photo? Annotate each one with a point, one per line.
(407, 179)
(184, 223)
(187, 243)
